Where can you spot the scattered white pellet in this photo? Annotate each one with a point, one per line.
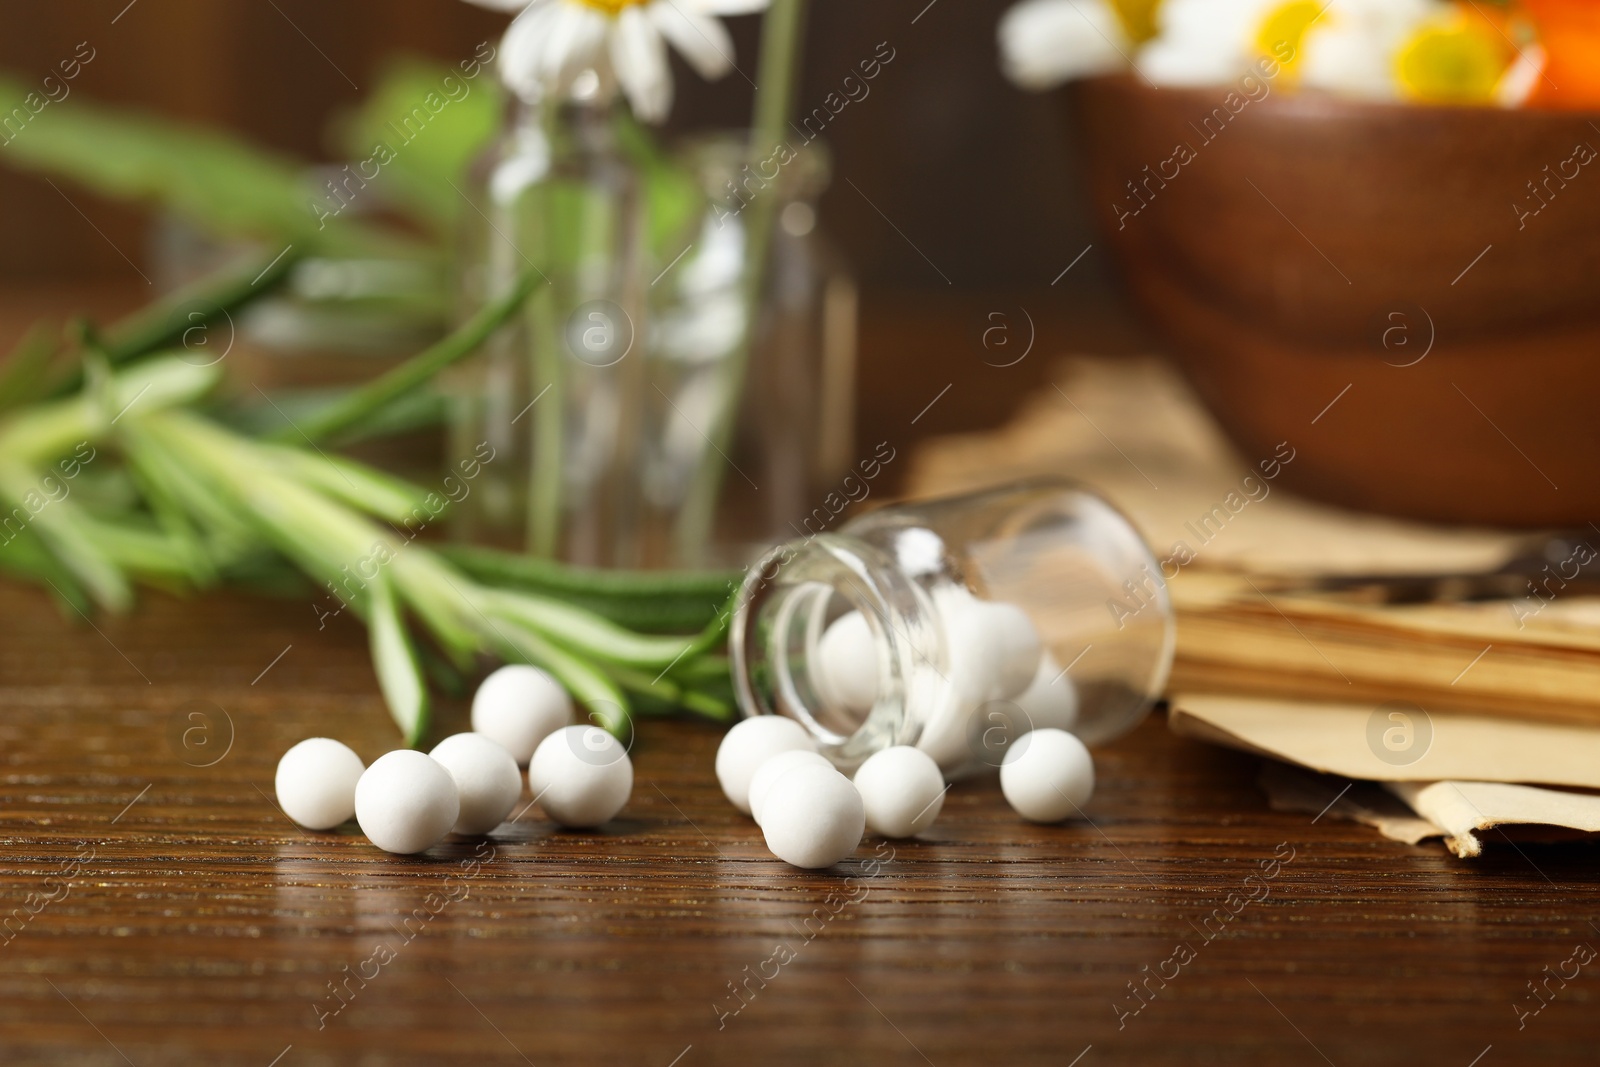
(1047, 776)
(406, 802)
(486, 777)
(519, 706)
(902, 791)
(846, 674)
(773, 768)
(1051, 702)
(581, 776)
(316, 783)
(750, 744)
(813, 817)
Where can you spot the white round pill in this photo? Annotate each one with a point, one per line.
(487, 780)
(1047, 776)
(902, 791)
(992, 649)
(970, 671)
(1014, 643)
(751, 743)
(406, 802)
(581, 775)
(773, 768)
(847, 664)
(813, 817)
(519, 706)
(316, 783)
(1051, 701)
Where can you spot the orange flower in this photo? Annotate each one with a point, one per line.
(1569, 33)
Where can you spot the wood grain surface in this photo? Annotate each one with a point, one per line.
(177, 917)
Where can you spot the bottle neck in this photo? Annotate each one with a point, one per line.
(782, 664)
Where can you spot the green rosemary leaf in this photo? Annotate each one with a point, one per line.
(362, 403)
(607, 704)
(220, 183)
(23, 553)
(583, 632)
(356, 484)
(188, 317)
(395, 660)
(28, 365)
(57, 521)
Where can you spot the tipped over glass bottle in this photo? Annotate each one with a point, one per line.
(957, 625)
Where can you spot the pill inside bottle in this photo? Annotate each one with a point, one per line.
(957, 626)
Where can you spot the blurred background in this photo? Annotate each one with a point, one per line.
(941, 127)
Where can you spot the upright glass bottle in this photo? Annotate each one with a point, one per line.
(555, 394)
(792, 432)
(957, 625)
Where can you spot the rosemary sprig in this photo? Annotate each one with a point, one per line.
(366, 401)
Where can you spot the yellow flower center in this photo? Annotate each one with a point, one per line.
(1284, 29)
(612, 7)
(1138, 17)
(1454, 63)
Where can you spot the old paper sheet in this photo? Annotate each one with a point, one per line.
(1463, 808)
(1366, 741)
(1414, 811)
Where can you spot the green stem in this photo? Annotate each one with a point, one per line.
(165, 323)
(365, 401)
(586, 633)
(548, 433)
(548, 576)
(782, 34)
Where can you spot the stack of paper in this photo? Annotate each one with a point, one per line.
(1259, 627)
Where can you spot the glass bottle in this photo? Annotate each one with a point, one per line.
(957, 625)
(792, 434)
(556, 393)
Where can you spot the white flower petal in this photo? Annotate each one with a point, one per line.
(1521, 78)
(639, 57)
(1047, 42)
(522, 51)
(577, 44)
(704, 41)
(1342, 59)
(1352, 49)
(1172, 63)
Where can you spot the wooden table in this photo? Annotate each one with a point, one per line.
(178, 917)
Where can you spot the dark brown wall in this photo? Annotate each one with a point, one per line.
(973, 173)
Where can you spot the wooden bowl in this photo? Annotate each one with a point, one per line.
(1407, 295)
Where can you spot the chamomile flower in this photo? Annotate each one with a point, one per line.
(552, 44)
(1046, 42)
(1354, 48)
(1204, 42)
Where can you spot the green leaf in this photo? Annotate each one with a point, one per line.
(216, 181)
(356, 484)
(23, 553)
(62, 528)
(608, 705)
(28, 365)
(185, 318)
(419, 130)
(364, 402)
(394, 658)
(584, 632)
